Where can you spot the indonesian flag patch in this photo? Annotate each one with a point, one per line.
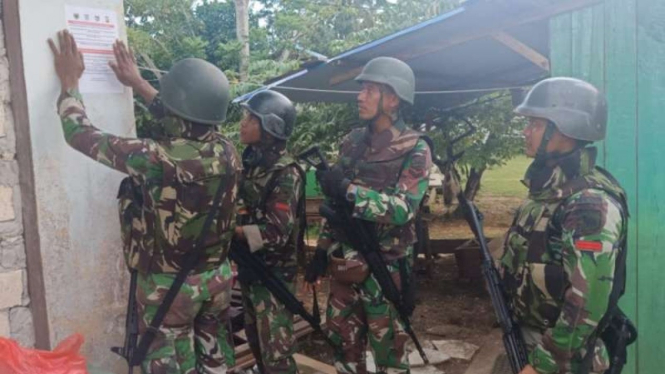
(587, 245)
(282, 206)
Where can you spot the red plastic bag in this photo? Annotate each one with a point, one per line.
(64, 359)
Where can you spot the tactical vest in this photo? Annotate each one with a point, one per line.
(380, 169)
(536, 282)
(161, 220)
(254, 193)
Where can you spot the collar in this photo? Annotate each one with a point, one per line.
(545, 180)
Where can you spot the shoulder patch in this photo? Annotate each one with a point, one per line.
(588, 245)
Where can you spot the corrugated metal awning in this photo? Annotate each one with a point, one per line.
(482, 46)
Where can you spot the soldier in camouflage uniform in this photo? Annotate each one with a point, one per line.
(561, 251)
(174, 176)
(383, 170)
(270, 210)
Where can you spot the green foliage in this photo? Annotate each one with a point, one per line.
(164, 31)
(496, 140)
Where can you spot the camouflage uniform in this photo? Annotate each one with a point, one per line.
(390, 177)
(267, 211)
(177, 177)
(559, 260)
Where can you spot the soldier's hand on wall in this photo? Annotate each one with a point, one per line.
(127, 71)
(68, 60)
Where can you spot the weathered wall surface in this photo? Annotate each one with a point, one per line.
(619, 46)
(84, 275)
(15, 316)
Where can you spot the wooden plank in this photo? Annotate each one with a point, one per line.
(522, 49)
(651, 182)
(621, 144)
(314, 366)
(561, 45)
(546, 10)
(19, 102)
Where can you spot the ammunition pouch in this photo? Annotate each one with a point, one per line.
(349, 271)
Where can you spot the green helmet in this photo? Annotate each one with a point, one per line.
(196, 90)
(575, 107)
(393, 73)
(275, 112)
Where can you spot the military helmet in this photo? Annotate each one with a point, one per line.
(393, 73)
(575, 107)
(275, 112)
(196, 90)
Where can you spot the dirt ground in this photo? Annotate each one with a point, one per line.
(443, 298)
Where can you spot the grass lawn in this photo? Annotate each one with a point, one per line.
(505, 181)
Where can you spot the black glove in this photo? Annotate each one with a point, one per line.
(246, 276)
(333, 182)
(316, 267)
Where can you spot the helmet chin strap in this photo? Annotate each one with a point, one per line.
(541, 155)
(380, 111)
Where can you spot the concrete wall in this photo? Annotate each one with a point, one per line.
(15, 316)
(84, 275)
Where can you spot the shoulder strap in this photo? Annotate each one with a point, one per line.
(190, 262)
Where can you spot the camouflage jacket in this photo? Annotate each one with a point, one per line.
(389, 172)
(268, 211)
(559, 258)
(176, 178)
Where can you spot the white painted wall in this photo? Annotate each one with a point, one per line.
(84, 273)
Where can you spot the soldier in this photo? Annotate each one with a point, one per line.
(270, 210)
(176, 173)
(569, 236)
(383, 171)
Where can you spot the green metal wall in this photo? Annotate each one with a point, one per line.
(619, 46)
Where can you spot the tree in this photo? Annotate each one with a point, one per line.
(270, 44)
(242, 34)
(496, 140)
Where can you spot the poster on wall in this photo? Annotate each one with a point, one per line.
(95, 30)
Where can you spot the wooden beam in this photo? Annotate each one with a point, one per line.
(522, 49)
(545, 11)
(19, 103)
(314, 365)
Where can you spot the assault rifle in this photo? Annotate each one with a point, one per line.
(241, 255)
(512, 335)
(131, 326)
(362, 238)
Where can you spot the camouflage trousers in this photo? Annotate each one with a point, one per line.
(193, 337)
(269, 329)
(357, 313)
(533, 337)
